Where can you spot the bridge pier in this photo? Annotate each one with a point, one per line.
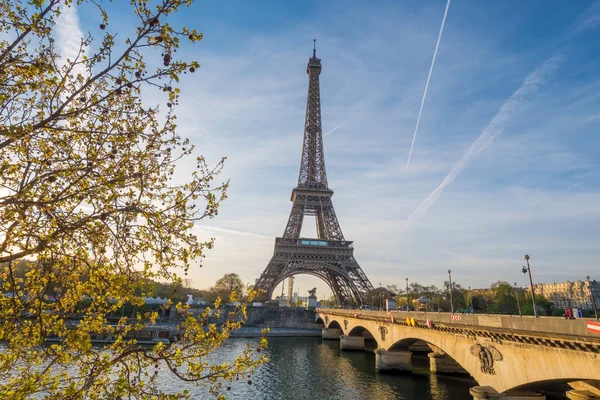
(352, 342)
(331, 333)
(393, 360)
(488, 393)
(444, 364)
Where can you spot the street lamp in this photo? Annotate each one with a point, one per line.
(407, 298)
(380, 301)
(472, 308)
(451, 302)
(518, 302)
(526, 270)
(593, 298)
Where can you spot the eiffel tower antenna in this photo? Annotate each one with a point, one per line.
(330, 256)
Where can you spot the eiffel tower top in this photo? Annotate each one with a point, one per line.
(312, 163)
(314, 62)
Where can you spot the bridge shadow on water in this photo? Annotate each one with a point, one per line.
(418, 385)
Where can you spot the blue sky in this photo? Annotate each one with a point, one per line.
(522, 77)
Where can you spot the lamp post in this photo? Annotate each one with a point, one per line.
(518, 302)
(450, 289)
(593, 298)
(528, 270)
(407, 297)
(472, 307)
(380, 301)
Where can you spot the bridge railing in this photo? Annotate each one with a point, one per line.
(543, 325)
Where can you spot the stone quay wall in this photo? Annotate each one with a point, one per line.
(270, 317)
(281, 317)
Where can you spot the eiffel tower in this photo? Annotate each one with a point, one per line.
(330, 256)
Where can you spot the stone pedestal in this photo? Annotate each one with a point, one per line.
(393, 360)
(488, 393)
(352, 342)
(331, 333)
(443, 364)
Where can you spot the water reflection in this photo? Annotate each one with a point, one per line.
(437, 392)
(309, 368)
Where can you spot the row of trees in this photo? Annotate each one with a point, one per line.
(227, 287)
(500, 298)
(177, 291)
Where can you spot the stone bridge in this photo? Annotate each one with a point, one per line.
(504, 354)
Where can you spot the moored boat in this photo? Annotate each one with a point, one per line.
(148, 335)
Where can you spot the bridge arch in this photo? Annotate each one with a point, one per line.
(407, 343)
(457, 354)
(361, 331)
(404, 344)
(333, 324)
(319, 320)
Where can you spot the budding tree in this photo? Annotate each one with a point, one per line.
(227, 285)
(88, 198)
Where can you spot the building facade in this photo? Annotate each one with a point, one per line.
(576, 294)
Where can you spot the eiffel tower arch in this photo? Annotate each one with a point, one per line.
(330, 256)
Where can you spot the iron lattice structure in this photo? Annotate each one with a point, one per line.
(329, 256)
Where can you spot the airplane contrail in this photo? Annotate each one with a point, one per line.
(494, 128)
(339, 126)
(437, 45)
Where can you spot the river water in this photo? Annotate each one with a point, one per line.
(310, 368)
